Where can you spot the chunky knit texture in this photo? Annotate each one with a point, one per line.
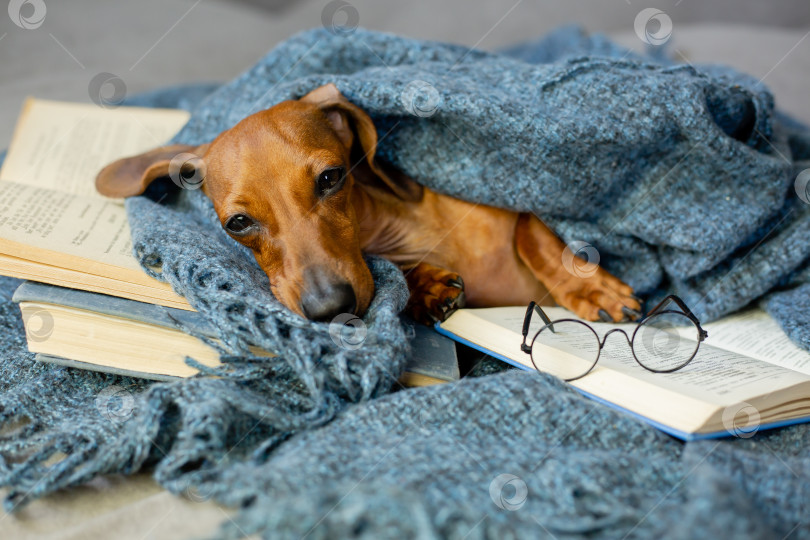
(681, 177)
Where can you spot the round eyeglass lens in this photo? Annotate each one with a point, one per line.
(666, 341)
(566, 349)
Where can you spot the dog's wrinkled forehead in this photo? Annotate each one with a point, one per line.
(282, 144)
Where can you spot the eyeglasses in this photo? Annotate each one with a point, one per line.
(666, 340)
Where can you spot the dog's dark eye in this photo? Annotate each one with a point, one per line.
(330, 181)
(239, 224)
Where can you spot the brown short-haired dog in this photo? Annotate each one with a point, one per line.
(299, 185)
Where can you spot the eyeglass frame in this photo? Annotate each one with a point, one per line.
(533, 307)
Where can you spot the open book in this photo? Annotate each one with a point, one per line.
(746, 376)
(54, 227)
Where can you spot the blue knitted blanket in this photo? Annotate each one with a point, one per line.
(684, 179)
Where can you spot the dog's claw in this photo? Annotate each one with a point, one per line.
(605, 316)
(632, 313)
(636, 298)
(435, 293)
(452, 304)
(456, 282)
(461, 300)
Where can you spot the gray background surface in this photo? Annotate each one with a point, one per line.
(154, 43)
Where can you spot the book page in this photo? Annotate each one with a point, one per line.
(111, 283)
(63, 146)
(35, 221)
(756, 334)
(714, 376)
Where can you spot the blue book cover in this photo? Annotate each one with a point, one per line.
(433, 355)
(32, 291)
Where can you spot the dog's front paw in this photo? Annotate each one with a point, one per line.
(435, 293)
(600, 296)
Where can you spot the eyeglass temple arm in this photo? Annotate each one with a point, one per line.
(681, 304)
(527, 322)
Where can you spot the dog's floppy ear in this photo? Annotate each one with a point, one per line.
(352, 125)
(131, 176)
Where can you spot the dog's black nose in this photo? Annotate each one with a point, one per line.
(326, 296)
(327, 304)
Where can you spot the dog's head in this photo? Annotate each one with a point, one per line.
(281, 182)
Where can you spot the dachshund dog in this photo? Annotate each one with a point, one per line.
(300, 186)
